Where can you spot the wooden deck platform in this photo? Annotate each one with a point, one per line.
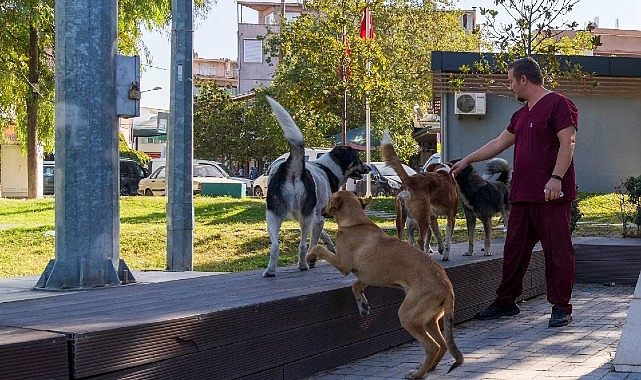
(224, 326)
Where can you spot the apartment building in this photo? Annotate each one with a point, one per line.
(147, 132)
(256, 18)
(222, 71)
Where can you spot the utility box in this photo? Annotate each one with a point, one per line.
(223, 187)
(127, 86)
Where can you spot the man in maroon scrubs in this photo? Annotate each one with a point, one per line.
(542, 189)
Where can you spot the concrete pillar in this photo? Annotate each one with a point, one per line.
(86, 128)
(628, 355)
(180, 202)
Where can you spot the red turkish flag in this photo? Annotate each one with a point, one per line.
(367, 25)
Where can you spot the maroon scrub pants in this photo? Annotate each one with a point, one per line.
(529, 223)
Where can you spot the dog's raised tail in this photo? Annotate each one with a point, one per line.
(392, 160)
(498, 166)
(292, 133)
(448, 329)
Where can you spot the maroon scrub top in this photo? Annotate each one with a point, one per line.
(536, 146)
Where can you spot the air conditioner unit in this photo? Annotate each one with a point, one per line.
(469, 103)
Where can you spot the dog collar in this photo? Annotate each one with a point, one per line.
(333, 180)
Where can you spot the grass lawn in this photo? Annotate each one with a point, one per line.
(230, 234)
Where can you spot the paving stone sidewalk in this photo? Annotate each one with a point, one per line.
(521, 347)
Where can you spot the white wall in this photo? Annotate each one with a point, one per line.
(608, 147)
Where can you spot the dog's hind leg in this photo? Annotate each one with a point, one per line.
(401, 218)
(423, 224)
(470, 221)
(273, 226)
(439, 238)
(358, 288)
(449, 231)
(435, 332)
(487, 228)
(302, 246)
(411, 229)
(327, 240)
(414, 319)
(506, 217)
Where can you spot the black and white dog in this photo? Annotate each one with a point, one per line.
(483, 198)
(299, 190)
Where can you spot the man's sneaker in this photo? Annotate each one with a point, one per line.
(559, 318)
(493, 312)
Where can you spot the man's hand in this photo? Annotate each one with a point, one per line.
(553, 189)
(458, 166)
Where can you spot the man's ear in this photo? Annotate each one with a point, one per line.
(365, 201)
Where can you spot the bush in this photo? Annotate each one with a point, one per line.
(126, 152)
(630, 205)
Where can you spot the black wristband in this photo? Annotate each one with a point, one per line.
(557, 177)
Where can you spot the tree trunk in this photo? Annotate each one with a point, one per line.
(32, 116)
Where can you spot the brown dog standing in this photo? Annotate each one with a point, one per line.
(378, 259)
(431, 194)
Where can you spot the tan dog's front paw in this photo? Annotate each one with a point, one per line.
(312, 255)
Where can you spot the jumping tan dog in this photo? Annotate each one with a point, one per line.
(431, 194)
(378, 259)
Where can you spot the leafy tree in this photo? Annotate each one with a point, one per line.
(311, 50)
(234, 131)
(26, 41)
(27, 79)
(534, 28)
(125, 151)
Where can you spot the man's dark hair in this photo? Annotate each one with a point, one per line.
(527, 66)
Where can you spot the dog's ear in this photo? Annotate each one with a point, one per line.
(365, 202)
(333, 205)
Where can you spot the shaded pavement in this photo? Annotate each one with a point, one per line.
(521, 347)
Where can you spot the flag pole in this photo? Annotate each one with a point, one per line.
(368, 192)
(344, 74)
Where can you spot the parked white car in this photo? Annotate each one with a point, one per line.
(156, 183)
(434, 159)
(249, 184)
(260, 183)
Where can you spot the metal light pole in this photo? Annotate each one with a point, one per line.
(180, 201)
(86, 127)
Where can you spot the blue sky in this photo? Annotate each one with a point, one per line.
(215, 37)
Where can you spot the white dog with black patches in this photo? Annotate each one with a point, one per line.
(299, 190)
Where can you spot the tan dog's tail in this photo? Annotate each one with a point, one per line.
(448, 329)
(392, 160)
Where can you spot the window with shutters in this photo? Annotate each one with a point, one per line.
(253, 51)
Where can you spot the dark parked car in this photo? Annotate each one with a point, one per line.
(384, 181)
(47, 177)
(130, 175)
